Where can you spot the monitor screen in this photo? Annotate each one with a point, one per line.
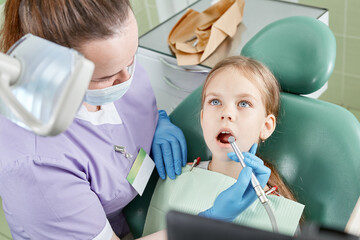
(181, 226)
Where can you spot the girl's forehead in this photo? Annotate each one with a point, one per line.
(228, 78)
(236, 75)
(232, 82)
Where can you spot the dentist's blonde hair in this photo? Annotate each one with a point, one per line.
(269, 89)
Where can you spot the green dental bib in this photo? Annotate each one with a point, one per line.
(195, 191)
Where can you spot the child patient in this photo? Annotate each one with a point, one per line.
(240, 98)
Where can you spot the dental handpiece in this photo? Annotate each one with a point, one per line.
(256, 185)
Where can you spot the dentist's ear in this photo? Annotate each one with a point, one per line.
(268, 127)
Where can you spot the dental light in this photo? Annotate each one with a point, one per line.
(42, 84)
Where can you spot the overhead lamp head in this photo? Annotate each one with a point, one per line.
(42, 84)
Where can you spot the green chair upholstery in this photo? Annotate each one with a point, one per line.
(316, 144)
(299, 50)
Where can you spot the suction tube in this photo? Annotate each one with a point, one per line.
(271, 216)
(256, 185)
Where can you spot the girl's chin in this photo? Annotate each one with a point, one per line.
(221, 153)
(223, 145)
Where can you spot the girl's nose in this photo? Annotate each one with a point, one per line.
(226, 117)
(227, 114)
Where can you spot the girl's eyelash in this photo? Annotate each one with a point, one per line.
(249, 103)
(210, 101)
(213, 99)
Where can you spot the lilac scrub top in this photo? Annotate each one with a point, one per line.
(64, 187)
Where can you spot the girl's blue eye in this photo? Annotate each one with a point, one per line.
(244, 104)
(215, 102)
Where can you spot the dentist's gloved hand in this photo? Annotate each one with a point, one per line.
(261, 172)
(234, 200)
(169, 149)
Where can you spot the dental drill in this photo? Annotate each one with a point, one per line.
(256, 185)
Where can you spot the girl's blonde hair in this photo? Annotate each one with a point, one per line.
(66, 22)
(269, 88)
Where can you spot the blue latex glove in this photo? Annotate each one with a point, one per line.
(169, 149)
(234, 200)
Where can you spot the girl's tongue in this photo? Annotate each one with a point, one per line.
(223, 137)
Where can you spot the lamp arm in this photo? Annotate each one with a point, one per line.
(10, 67)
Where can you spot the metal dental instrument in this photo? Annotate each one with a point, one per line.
(256, 185)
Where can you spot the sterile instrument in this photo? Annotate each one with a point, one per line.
(256, 185)
(42, 84)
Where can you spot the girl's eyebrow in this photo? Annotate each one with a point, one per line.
(215, 94)
(249, 97)
(245, 95)
(212, 94)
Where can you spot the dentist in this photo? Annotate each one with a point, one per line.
(73, 186)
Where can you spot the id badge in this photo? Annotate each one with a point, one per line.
(141, 171)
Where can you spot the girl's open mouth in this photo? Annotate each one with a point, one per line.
(223, 137)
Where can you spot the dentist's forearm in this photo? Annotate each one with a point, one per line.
(161, 235)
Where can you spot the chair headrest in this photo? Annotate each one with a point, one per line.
(300, 51)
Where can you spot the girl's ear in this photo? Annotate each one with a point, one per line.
(268, 127)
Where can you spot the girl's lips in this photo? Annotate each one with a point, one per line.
(223, 136)
(223, 145)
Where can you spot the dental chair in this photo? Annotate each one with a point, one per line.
(316, 144)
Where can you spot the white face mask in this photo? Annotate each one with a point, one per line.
(103, 96)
